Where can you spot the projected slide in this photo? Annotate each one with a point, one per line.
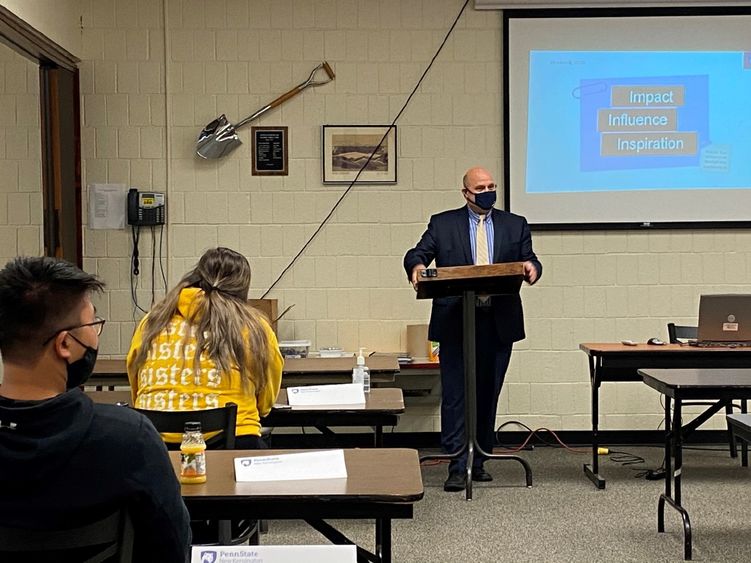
(638, 120)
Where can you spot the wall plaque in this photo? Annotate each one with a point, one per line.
(269, 151)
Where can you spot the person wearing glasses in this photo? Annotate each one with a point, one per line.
(476, 233)
(66, 461)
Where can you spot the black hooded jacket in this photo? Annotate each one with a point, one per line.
(66, 461)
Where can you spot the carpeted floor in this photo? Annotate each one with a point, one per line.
(563, 517)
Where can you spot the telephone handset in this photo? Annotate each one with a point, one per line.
(145, 208)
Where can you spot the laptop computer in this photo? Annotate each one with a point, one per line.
(724, 320)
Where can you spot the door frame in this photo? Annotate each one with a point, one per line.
(60, 127)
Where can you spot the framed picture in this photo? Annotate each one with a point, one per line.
(346, 149)
(269, 151)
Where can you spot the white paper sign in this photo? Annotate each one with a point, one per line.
(328, 464)
(107, 206)
(326, 395)
(274, 554)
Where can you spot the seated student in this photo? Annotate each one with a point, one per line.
(66, 461)
(204, 346)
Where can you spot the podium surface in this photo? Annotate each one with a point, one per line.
(491, 279)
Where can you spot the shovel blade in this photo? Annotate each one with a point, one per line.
(217, 139)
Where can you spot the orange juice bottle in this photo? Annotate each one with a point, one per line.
(433, 351)
(192, 455)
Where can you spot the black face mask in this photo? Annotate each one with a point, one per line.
(80, 370)
(485, 200)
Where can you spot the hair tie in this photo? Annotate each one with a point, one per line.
(210, 288)
(213, 288)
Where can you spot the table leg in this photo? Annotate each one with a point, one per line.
(744, 443)
(593, 471)
(686, 526)
(383, 539)
(363, 556)
(669, 430)
(674, 449)
(677, 450)
(470, 382)
(731, 437)
(678, 446)
(668, 470)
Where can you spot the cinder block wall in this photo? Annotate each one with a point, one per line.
(20, 157)
(148, 88)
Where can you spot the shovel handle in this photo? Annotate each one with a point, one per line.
(284, 97)
(281, 99)
(296, 90)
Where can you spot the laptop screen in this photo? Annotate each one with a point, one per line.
(725, 318)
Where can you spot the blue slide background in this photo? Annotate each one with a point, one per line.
(567, 88)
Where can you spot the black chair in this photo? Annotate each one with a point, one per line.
(741, 428)
(676, 335)
(108, 539)
(224, 421)
(679, 333)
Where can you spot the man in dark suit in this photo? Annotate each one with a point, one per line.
(474, 234)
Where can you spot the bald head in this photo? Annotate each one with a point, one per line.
(476, 176)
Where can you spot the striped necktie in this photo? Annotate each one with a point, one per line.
(482, 243)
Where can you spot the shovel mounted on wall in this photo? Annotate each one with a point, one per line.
(219, 137)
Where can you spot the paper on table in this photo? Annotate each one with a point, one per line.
(328, 464)
(320, 395)
(274, 554)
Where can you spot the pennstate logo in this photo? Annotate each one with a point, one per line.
(244, 463)
(208, 556)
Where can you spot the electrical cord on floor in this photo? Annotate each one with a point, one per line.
(623, 458)
(432, 462)
(536, 432)
(627, 459)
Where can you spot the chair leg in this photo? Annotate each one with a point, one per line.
(731, 436)
(255, 535)
(225, 532)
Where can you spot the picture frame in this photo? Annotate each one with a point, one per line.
(347, 147)
(269, 151)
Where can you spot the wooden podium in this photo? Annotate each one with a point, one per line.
(469, 282)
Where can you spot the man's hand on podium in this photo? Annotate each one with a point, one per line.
(530, 272)
(416, 274)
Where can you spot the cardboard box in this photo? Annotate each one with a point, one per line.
(418, 346)
(269, 307)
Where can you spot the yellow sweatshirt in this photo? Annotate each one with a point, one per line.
(166, 381)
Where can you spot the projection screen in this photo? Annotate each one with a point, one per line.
(628, 118)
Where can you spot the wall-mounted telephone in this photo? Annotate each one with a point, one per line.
(145, 208)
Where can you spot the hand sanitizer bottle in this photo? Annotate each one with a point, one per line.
(357, 374)
(361, 372)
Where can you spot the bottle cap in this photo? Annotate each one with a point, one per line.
(192, 426)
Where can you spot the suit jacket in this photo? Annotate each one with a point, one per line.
(447, 242)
